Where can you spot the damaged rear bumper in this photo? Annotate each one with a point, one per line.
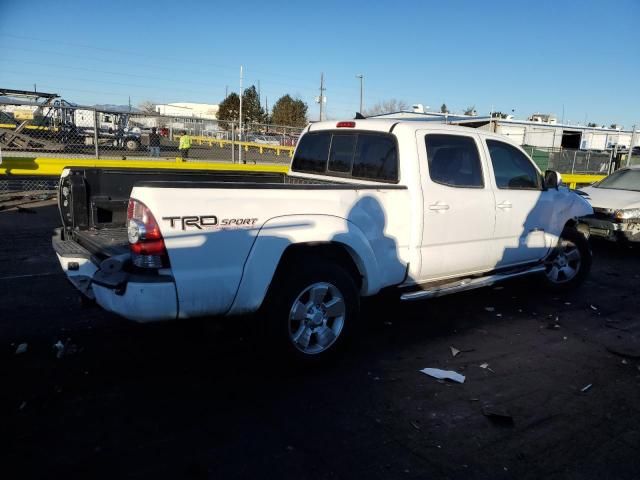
(136, 296)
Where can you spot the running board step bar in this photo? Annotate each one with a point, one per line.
(466, 284)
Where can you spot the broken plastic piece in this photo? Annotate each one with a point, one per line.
(454, 351)
(486, 367)
(443, 374)
(584, 389)
(59, 346)
(498, 415)
(22, 348)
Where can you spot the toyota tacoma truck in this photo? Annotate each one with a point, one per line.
(409, 208)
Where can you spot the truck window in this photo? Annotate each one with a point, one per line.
(312, 153)
(341, 153)
(512, 168)
(366, 156)
(454, 161)
(376, 158)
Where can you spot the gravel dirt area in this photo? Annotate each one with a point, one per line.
(203, 399)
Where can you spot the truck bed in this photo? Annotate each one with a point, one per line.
(93, 202)
(104, 242)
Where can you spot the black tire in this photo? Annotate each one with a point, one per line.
(573, 251)
(131, 145)
(291, 287)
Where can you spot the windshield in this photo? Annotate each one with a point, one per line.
(622, 180)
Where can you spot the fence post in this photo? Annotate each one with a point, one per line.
(610, 162)
(95, 132)
(573, 165)
(233, 144)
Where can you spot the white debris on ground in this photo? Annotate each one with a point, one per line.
(485, 366)
(59, 346)
(443, 374)
(22, 348)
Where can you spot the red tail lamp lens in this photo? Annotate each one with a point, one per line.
(147, 245)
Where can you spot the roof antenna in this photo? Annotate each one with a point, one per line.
(359, 116)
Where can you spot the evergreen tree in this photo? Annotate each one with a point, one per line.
(289, 111)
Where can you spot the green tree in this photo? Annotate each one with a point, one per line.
(289, 111)
(470, 110)
(252, 112)
(443, 108)
(229, 109)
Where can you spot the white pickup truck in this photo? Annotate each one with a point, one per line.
(413, 208)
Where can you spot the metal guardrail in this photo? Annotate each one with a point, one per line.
(44, 166)
(575, 179)
(51, 167)
(11, 126)
(261, 147)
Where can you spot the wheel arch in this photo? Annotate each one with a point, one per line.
(284, 240)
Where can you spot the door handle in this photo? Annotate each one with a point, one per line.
(506, 205)
(438, 207)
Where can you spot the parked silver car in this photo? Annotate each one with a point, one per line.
(616, 206)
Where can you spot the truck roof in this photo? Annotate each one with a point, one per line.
(390, 124)
(383, 124)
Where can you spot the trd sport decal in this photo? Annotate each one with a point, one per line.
(208, 221)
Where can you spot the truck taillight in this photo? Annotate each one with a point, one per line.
(145, 240)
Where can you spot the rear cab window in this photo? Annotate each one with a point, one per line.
(369, 156)
(454, 160)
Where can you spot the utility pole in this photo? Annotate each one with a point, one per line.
(321, 97)
(266, 110)
(361, 77)
(633, 134)
(240, 120)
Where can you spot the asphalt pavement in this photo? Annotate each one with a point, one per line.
(552, 385)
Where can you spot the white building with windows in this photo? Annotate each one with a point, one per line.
(540, 130)
(196, 118)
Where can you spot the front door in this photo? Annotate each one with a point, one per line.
(523, 207)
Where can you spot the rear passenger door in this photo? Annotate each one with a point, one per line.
(523, 207)
(459, 206)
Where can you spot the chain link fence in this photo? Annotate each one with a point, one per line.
(56, 128)
(571, 161)
(60, 129)
(26, 184)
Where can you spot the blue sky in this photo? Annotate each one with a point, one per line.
(583, 56)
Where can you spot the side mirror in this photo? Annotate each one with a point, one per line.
(552, 179)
